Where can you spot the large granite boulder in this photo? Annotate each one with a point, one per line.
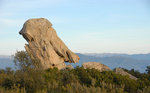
(44, 44)
(124, 73)
(96, 65)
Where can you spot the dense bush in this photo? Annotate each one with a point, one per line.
(76, 80)
(29, 79)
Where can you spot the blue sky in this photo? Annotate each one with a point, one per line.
(86, 26)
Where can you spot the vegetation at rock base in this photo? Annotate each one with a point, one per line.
(31, 79)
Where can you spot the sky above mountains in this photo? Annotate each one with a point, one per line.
(86, 26)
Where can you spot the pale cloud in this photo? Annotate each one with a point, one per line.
(27, 4)
(84, 25)
(11, 22)
(7, 25)
(58, 19)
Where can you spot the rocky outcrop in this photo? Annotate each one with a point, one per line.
(44, 44)
(96, 65)
(122, 72)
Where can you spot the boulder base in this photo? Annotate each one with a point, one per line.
(96, 65)
(122, 72)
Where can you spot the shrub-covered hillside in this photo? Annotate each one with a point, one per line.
(31, 79)
(78, 80)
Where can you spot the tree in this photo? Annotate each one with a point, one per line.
(148, 69)
(24, 62)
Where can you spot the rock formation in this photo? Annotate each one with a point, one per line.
(96, 65)
(122, 72)
(44, 44)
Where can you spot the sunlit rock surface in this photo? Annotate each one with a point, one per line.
(96, 65)
(44, 44)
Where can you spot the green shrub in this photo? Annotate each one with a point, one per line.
(29, 79)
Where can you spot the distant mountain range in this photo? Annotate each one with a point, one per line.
(6, 61)
(134, 56)
(136, 61)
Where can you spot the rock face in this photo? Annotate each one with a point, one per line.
(122, 72)
(44, 44)
(96, 65)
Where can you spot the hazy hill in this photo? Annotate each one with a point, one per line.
(137, 61)
(6, 61)
(135, 56)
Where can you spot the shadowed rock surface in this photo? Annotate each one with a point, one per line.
(44, 44)
(96, 65)
(122, 72)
